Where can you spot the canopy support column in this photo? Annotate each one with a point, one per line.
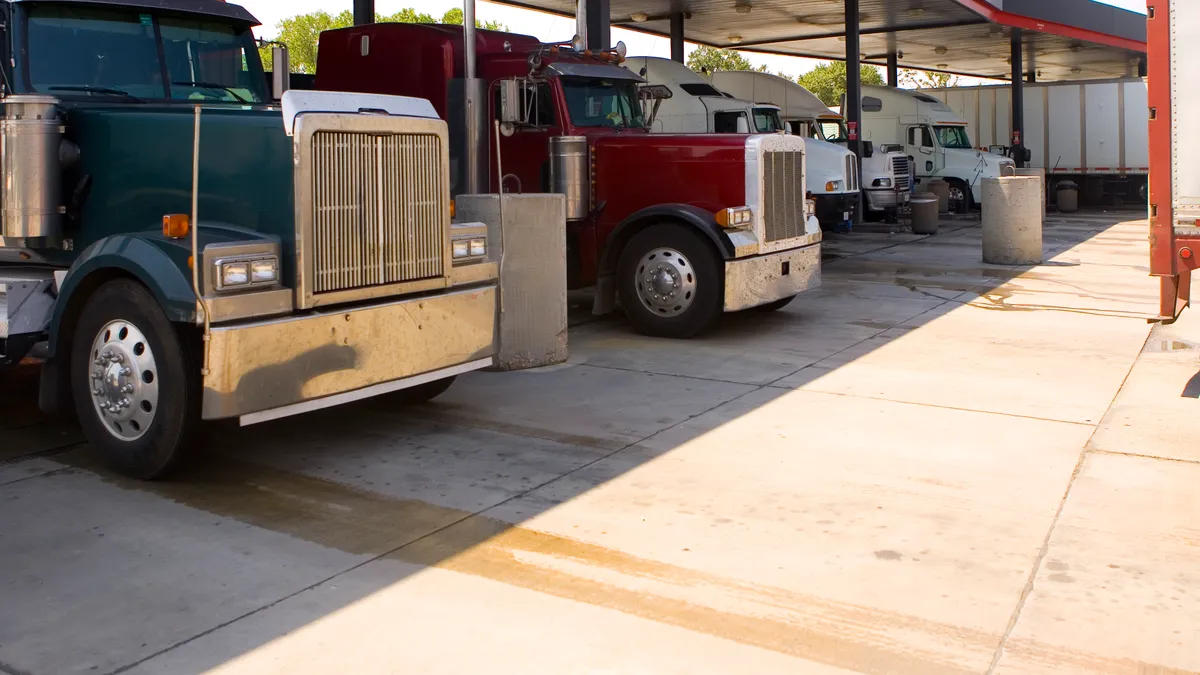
(364, 12)
(596, 12)
(1018, 101)
(852, 110)
(893, 70)
(677, 37)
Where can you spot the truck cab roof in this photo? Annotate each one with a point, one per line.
(214, 8)
(794, 101)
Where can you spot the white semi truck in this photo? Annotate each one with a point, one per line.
(935, 139)
(885, 172)
(1092, 133)
(679, 100)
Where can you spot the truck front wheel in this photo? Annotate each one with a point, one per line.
(670, 282)
(961, 199)
(137, 397)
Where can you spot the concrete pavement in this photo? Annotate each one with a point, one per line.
(930, 465)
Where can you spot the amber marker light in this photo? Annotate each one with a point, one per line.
(176, 225)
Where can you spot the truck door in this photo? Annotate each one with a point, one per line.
(525, 150)
(922, 151)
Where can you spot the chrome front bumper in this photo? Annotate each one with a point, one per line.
(273, 368)
(750, 282)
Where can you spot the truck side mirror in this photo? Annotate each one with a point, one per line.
(743, 127)
(281, 71)
(512, 108)
(868, 149)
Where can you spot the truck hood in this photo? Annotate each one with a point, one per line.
(988, 164)
(825, 162)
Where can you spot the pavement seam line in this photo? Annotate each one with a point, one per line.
(43, 474)
(1027, 590)
(427, 535)
(1137, 455)
(945, 407)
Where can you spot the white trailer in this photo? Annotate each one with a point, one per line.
(1093, 133)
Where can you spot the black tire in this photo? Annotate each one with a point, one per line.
(422, 392)
(776, 305)
(175, 420)
(967, 203)
(704, 307)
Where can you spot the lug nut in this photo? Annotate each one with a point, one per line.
(126, 371)
(128, 389)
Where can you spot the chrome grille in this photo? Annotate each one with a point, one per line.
(900, 175)
(851, 173)
(783, 176)
(378, 209)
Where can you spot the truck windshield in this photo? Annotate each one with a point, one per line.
(833, 131)
(766, 121)
(953, 137)
(81, 50)
(602, 103)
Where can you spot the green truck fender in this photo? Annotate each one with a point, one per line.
(159, 264)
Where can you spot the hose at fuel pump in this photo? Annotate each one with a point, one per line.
(195, 239)
(500, 207)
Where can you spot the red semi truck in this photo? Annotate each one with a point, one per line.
(679, 227)
(1173, 46)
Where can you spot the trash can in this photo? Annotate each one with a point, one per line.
(1066, 196)
(1012, 220)
(941, 190)
(924, 209)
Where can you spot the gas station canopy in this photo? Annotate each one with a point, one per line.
(1062, 39)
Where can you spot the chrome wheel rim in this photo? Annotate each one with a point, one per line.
(665, 282)
(124, 380)
(956, 194)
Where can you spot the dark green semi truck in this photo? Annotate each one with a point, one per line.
(179, 246)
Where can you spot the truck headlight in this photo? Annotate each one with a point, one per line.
(264, 271)
(465, 249)
(235, 273)
(738, 216)
(834, 186)
(882, 183)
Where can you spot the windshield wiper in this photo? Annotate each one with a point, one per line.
(97, 90)
(213, 85)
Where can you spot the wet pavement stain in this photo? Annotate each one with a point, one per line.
(316, 510)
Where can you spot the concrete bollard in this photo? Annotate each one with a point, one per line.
(1012, 220)
(940, 188)
(528, 237)
(924, 207)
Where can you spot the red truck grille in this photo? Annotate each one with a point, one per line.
(378, 205)
(783, 177)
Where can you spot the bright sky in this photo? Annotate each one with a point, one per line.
(546, 27)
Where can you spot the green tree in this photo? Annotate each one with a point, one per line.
(828, 80)
(455, 16)
(925, 79)
(704, 59)
(300, 33)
